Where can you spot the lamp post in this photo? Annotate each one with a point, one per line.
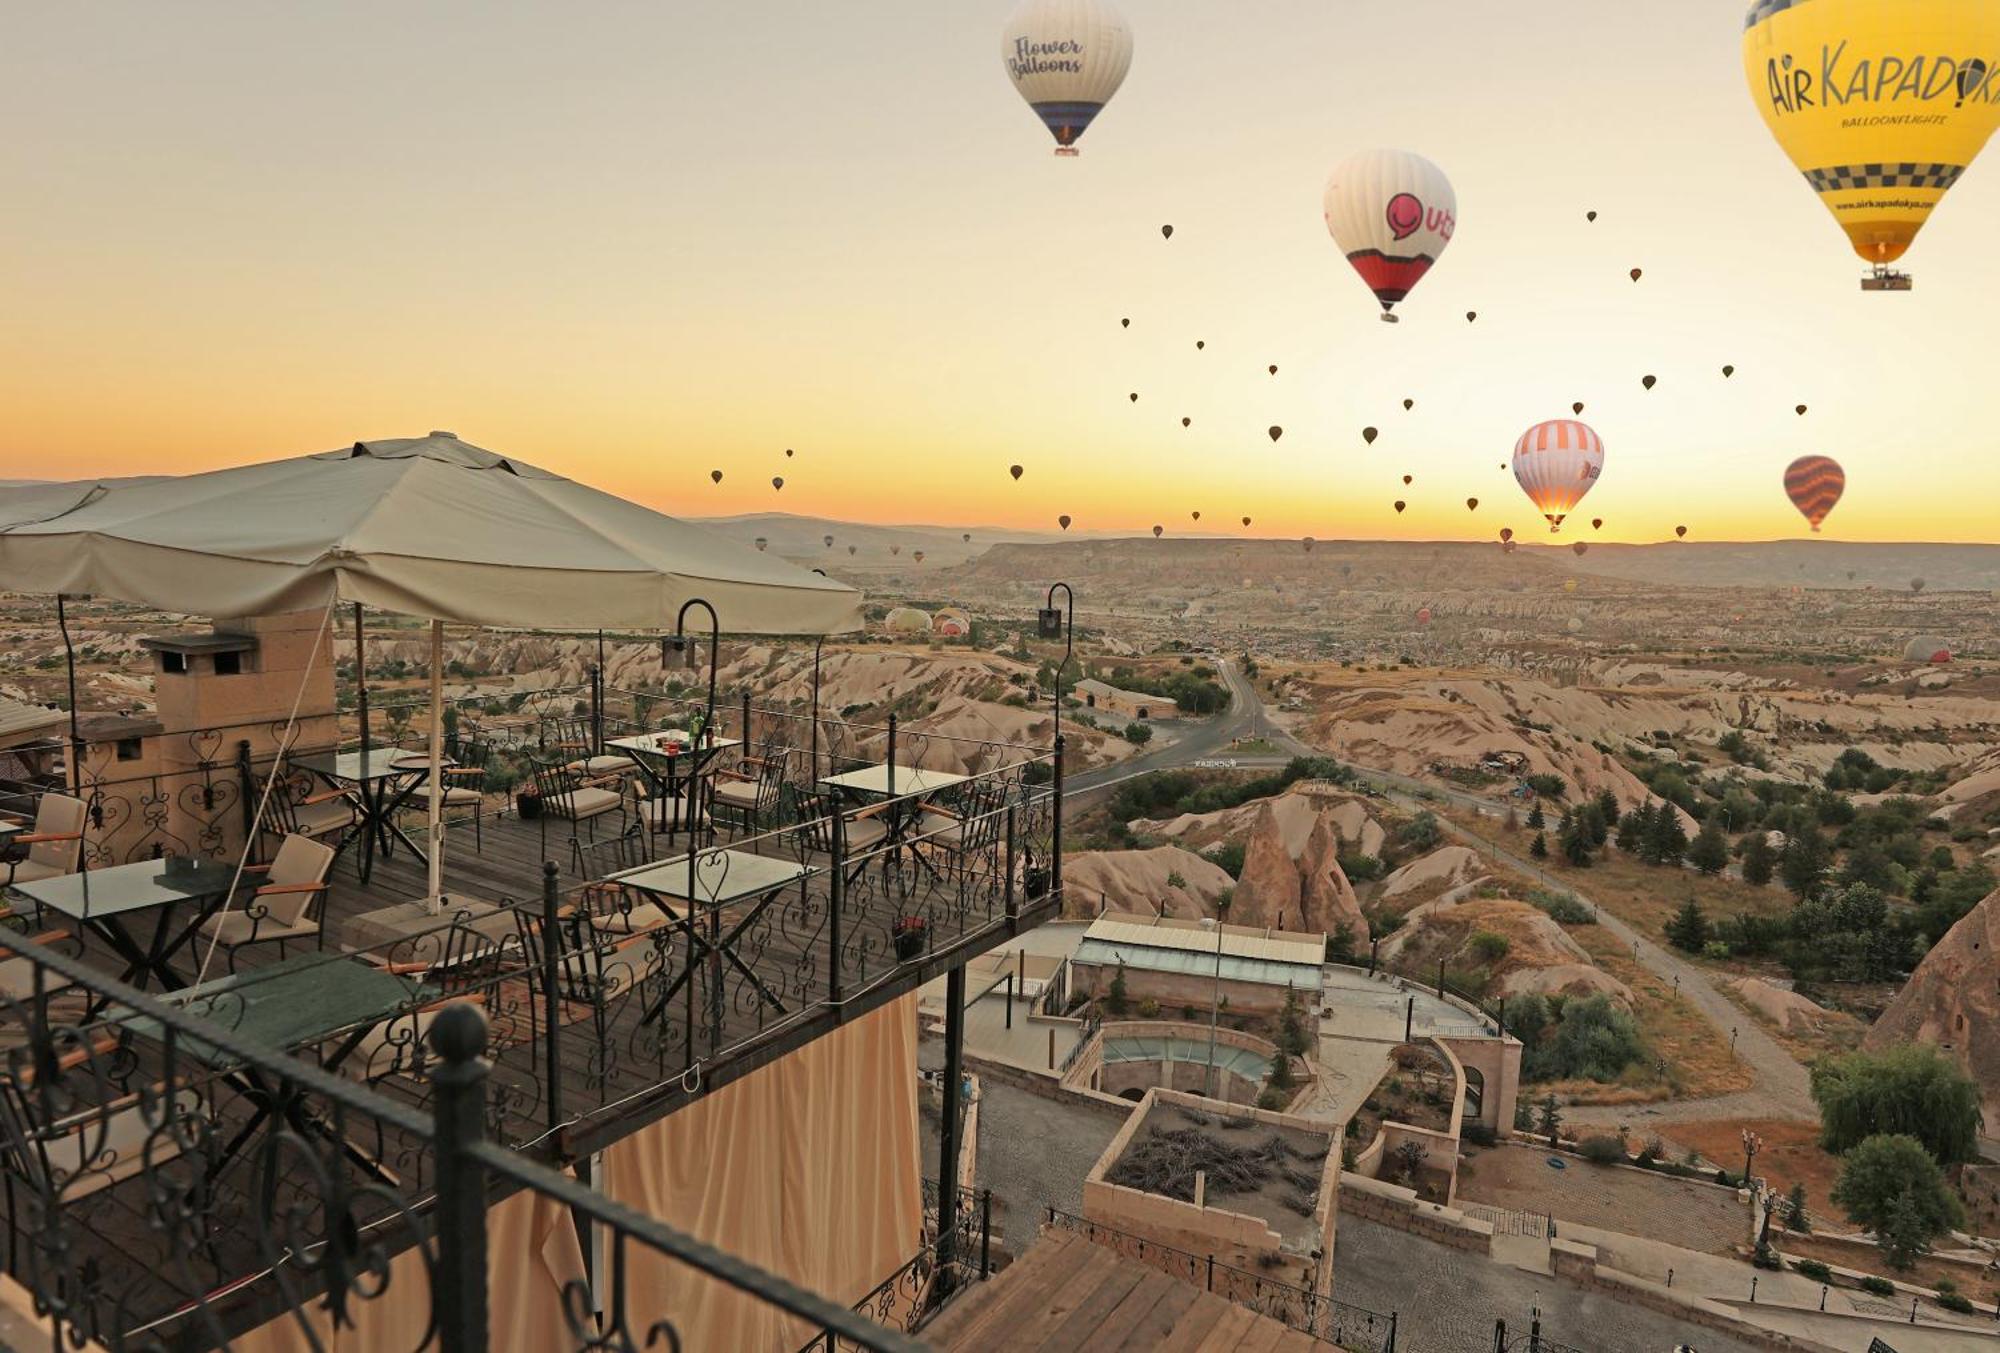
(1052, 624)
(678, 643)
(1752, 1144)
(1215, 1000)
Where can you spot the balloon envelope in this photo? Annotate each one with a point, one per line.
(1814, 484)
(1556, 464)
(1881, 106)
(1066, 59)
(1392, 213)
(715, 476)
(1014, 470)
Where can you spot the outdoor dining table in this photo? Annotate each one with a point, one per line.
(299, 1002)
(383, 779)
(907, 787)
(671, 763)
(109, 903)
(692, 893)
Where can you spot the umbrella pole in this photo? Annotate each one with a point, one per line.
(436, 842)
(75, 757)
(360, 679)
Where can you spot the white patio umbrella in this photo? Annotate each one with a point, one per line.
(424, 526)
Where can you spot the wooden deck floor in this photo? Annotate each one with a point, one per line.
(1068, 1294)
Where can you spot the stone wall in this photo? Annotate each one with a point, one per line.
(1177, 991)
(1576, 1262)
(1393, 1205)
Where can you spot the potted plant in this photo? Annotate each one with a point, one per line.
(912, 935)
(528, 803)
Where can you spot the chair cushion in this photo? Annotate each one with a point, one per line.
(17, 979)
(865, 833)
(236, 927)
(737, 793)
(122, 1145)
(324, 819)
(589, 801)
(662, 815)
(29, 871)
(642, 916)
(602, 765)
(453, 798)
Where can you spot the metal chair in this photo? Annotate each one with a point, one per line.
(826, 828)
(54, 842)
(567, 793)
(750, 795)
(577, 738)
(967, 830)
(464, 788)
(286, 906)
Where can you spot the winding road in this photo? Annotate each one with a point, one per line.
(1781, 1087)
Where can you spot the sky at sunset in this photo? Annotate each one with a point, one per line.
(633, 242)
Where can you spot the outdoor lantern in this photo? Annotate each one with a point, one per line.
(1049, 623)
(677, 644)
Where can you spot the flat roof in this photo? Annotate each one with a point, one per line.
(1164, 932)
(1264, 972)
(200, 641)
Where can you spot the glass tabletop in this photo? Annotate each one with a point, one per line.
(378, 763)
(719, 876)
(291, 1003)
(130, 887)
(656, 744)
(908, 780)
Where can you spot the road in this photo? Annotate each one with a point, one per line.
(1781, 1089)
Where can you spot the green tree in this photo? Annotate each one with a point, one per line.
(1846, 934)
(1758, 860)
(1575, 841)
(1281, 1077)
(1913, 1090)
(1537, 819)
(1489, 946)
(1422, 833)
(1594, 824)
(1116, 1000)
(1666, 839)
(1594, 1039)
(1607, 807)
(1292, 1025)
(1138, 734)
(1890, 1185)
(1549, 1122)
(1539, 847)
(1634, 829)
(1796, 1218)
(1802, 865)
(1689, 930)
(1709, 851)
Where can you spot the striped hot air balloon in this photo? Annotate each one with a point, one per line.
(1814, 484)
(1392, 213)
(1557, 463)
(1067, 58)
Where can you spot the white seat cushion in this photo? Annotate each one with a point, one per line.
(324, 819)
(642, 916)
(662, 815)
(737, 793)
(864, 833)
(583, 803)
(29, 871)
(453, 798)
(236, 927)
(602, 765)
(17, 979)
(122, 1145)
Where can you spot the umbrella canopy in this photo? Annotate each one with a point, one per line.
(424, 526)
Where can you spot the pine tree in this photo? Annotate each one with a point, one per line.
(1797, 1220)
(1634, 828)
(1539, 848)
(1667, 840)
(1550, 1122)
(1607, 804)
(1537, 820)
(1688, 930)
(1710, 849)
(1758, 860)
(1803, 863)
(1594, 824)
(1575, 842)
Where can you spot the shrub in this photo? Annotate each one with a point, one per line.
(1715, 949)
(1955, 1301)
(1489, 946)
(1593, 1039)
(1601, 1150)
(1913, 1089)
(1271, 1098)
(1564, 908)
(1149, 1008)
(1814, 1269)
(1880, 1287)
(1479, 1134)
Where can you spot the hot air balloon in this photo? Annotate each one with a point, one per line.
(1409, 404)
(1408, 478)
(1199, 345)
(1423, 615)
(1246, 521)
(966, 538)
(1506, 533)
(715, 476)
(917, 555)
(1574, 624)
(788, 453)
(1368, 435)
(1067, 58)
(1881, 107)
(1158, 531)
(1649, 381)
(777, 482)
(1471, 315)
(1577, 408)
(762, 543)
(1814, 484)
(1166, 232)
(1014, 470)
(1728, 371)
(1916, 584)
(1063, 521)
(1308, 543)
(1195, 515)
(1124, 323)
(1392, 213)
(1471, 504)
(1637, 273)
(1590, 216)
(1274, 370)
(1569, 585)
(1276, 432)
(1400, 505)
(852, 548)
(1185, 422)
(1680, 533)
(1135, 396)
(895, 549)
(828, 541)
(1556, 463)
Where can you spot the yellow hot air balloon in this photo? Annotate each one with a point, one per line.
(1881, 106)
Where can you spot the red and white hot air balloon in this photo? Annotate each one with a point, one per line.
(1814, 484)
(1392, 213)
(1556, 463)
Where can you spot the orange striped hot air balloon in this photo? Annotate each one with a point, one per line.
(1814, 484)
(1557, 463)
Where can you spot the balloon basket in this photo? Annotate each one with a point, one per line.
(1885, 279)
(1388, 318)
(1066, 152)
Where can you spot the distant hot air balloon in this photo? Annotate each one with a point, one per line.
(1569, 585)
(1880, 149)
(1014, 470)
(1195, 515)
(1649, 381)
(1063, 521)
(1392, 213)
(1916, 584)
(1728, 371)
(1471, 315)
(1135, 396)
(1574, 624)
(1680, 533)
(788, 453)
(1308, 543)
(1400, 505)
(852, 548)
(1185, 422)
(715, 476)
(1368, 435)
(917, 555)
(1408, 478)
(1556, 464)
(1814, 484)
(966, 538)
(1246, 521)
(1637, 273)
(777, 482)
(1158, 531)
(1166, 232)
(1800, 410)
(1423, 615)
(1067, 58)
(1507, 546)
(1471, 504)
(1125, 323)
(895, 549)
(1409, 404)
(1597, 523)
(1274, 370)
(828, 541)
(1276, 432)
(1506, 533)
(761, 544)
(1590, 216)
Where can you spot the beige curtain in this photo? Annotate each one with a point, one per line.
(808, 1167)
(531, 1252)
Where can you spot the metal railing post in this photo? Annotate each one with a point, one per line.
(836, 898)
(746, 722)
(247, 779)
(1390, 1347)
(985, 1234)
(1211, 1273)
(551, 992)
(597, 704)
(458, 1083)
(1012, 904)
(1055, 843)
(891, 759)
(948, 1131)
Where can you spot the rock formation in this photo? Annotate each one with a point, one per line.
(1786, 1009)
(1326, 898)
(1267, 892)
(1952, 1000)
(1166, 881)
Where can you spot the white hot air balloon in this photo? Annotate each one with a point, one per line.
(1066, 58)
(1557, 463)
(1392, 213)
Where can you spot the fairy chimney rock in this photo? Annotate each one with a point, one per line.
(1952, 1001)
(1267, 892)
(1326, 898)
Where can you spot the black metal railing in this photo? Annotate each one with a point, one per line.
(1314, 1313)
(173, 1182)
(910, 1297)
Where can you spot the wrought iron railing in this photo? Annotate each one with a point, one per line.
(910, 1297)
(1314, 1313)
(172, 1182)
